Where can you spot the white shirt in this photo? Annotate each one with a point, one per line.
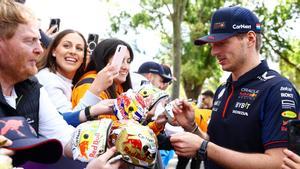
(137, 79)
(11, 100)
(51, 123)
(169, 129)
(59, 89)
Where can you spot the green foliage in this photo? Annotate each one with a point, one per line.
(291, 72)
(142, 19)
(275, 26)
(276, 44)
(116, 21)
(198, 67)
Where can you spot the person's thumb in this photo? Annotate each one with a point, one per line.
(109, 153)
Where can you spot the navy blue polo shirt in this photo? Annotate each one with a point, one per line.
(250, 115)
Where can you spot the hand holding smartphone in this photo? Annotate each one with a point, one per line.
(53, 22)
(119, 56)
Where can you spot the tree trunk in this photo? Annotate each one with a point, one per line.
(192, 89)
(177, 17)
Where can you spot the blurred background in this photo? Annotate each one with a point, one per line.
(164, 31)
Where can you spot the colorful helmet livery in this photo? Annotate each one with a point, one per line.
(155, 94)
(90, 139)
(137, 144)
(130, 105)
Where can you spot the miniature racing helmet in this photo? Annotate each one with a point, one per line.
(130, 105)
(154, 94)
(90, 139)
(169, 112)
(136, 143)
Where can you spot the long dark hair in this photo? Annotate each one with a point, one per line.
(100, 57)
(50, 61)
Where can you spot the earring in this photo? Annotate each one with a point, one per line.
(53, 54)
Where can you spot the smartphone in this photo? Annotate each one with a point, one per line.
(55, 21)
(119, 56)
(92, 41)
(294, 136)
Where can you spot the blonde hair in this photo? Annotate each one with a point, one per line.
(11, 15)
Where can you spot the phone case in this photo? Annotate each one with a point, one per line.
(294, 136)
(92, 41)
(55, 22)
(119, 56)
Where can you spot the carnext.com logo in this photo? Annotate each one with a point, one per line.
(242, 26)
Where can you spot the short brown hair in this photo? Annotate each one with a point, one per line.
(258, 40)
(11, 15)
(208, 93)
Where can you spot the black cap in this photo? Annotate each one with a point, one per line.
(229, 21)
(151, 67)
(167, 76)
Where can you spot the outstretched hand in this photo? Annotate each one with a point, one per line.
(186, 144)
(4, 142)
(184, 114)
(103, 107)
(291, 161)
(103, 162)
(50, 32)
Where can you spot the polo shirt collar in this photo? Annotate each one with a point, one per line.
(251, 74)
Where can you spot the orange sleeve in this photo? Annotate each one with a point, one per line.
(78, 93)
(202, 118)
(103, 95)
(155, 128)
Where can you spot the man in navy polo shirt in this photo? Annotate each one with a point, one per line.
(250, 111)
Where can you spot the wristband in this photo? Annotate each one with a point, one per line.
(194, 128)
(87, 112)
(202, 151)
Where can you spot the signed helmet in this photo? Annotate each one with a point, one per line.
(136, 143)
(130, 105)
(154, 94)
(90, 139)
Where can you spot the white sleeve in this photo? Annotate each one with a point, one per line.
(88, 99)
(137, 80)
(63, 103)
(59, 91)
(58, 98)
(51, 123)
